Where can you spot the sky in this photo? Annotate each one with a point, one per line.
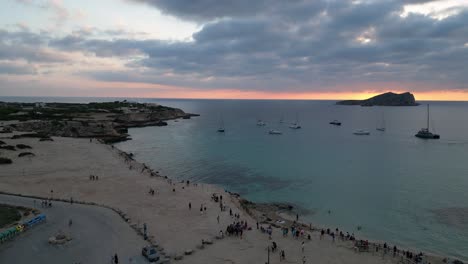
(243, 49)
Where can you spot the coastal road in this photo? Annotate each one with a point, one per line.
(97, 233)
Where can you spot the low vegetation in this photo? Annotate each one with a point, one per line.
(8, 147)
(23, 146)
(24, 154)
(8, 215)
(5, 161)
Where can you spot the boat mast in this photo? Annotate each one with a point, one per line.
(383, 119)
(427, 117)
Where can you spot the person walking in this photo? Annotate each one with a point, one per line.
(302, 246)
(116, 259)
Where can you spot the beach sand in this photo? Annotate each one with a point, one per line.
(65, 165)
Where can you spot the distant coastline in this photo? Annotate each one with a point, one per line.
(385, 99)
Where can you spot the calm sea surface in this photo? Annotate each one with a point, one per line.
(398, 188)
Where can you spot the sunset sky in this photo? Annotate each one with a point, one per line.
(251, 49)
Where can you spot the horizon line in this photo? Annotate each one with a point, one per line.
(213, 99)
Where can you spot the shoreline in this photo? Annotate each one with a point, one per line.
(283, 212)
(240, 204)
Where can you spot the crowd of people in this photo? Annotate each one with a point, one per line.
(237, 228)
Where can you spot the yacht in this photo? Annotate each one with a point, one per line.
(260, 123)
(424, 133)
(381, 126)
(295, 125)
(221, 126)
(274, 132)
(335, 122)
(361, 132)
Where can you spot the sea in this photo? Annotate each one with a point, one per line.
(387, 186)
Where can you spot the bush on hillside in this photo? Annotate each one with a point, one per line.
(8, 147)
(5, 161)
(23, 154)
(23, 146)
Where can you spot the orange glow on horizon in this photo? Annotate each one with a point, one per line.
(257, 95)
(93, 88)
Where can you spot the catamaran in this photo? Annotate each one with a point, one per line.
(424, 133)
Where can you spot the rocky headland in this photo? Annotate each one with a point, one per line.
(385, 99)
(108, 121)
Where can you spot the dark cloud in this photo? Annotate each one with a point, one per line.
(209, 9)
(276, 45)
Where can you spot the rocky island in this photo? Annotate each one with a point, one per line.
(385, 99)
(108, 121)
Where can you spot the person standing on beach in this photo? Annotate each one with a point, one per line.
(217, 218)
(302, 246)
(190, 206)
(303, 260)
(297, 217)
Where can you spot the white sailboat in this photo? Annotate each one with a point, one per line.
(260, 123)
(221, 126)
(295, 125)
(274, 132)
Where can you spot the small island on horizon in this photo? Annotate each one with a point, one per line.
(385, 99)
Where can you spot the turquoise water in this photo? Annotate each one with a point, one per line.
(399, 188)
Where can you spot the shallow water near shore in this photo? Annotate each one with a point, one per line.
(398, 188)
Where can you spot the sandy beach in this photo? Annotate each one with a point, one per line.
(62, 169)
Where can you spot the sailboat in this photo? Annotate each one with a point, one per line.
(274, 132)
(335, 122)
(260, 123)
(424, 133)
(295, 125)
(221, 126)
(382, 125)
(361, 132)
